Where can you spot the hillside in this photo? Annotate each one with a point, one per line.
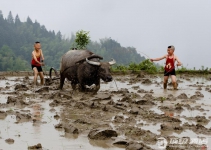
(17, 38)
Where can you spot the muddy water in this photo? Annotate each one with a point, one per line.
(188, 85)
(29, 132)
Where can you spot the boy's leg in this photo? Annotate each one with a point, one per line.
(174, 83)
(41, 78)
(35, 75)
(165, 81)
(41, 75)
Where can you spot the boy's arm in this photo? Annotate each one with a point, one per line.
(178, 61)
(42, 55)
(157, 59)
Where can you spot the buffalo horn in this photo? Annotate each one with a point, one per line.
(93, 62)
(112, 62)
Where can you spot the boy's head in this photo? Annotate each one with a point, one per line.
(37, 45)
(170, 49)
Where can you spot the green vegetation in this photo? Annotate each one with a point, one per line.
(17, 39)
(151, 68)
(183, 69)
(82, 39)
(145, 65)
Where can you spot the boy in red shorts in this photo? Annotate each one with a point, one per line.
(169, 66)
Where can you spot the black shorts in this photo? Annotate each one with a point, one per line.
(39, 68)
(169, 73)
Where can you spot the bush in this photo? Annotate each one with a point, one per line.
(82, 39)
(145, 65)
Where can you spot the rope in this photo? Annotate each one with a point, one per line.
(116, 85)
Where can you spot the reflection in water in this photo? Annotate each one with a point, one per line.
(100, 143)
(169, 113)
(36, 117)
(36, 114)
(203, 147)
(70, 136)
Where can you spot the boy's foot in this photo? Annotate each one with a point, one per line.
(175, 85)
(164, 85)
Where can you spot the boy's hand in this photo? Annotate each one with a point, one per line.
(178, 64)
(42, 64)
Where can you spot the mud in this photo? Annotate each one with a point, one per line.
(131, 114)
(38, 146)
(9, 141)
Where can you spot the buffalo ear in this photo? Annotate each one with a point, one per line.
(101, 58)
(80, 61)
(95, 56)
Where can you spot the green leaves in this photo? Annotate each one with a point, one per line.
(8, 60)
(145, 65)
(82, 39)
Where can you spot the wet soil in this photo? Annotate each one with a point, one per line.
(131, 113)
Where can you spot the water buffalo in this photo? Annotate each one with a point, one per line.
(83, 67)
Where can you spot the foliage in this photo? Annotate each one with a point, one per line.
(145, 65)
(17, 39)
(183, 69)
(152, 68)
(9, 62)
(82, 39)
(109, 48)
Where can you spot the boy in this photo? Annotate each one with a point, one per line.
(169, 66)
(37, 62)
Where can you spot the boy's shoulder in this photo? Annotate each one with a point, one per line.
(175, 56)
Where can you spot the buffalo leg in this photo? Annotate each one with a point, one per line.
(73, 85)
(97, 84)
(62, 78)
(82, 87)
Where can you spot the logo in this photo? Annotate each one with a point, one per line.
(201, 142)
(162, 143)
(168, 66)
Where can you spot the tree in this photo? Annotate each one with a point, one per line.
(10, 18)
(29, 21)
(17, 20)
(59, 36)
(1, 15)
(82, 39)
(6, 51)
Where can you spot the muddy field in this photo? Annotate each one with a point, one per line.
(132, 113)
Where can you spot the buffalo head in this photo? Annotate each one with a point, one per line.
(104, 69)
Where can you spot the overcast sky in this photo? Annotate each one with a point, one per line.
(148, 25)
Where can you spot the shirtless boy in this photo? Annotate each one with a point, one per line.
(169, 66)
(37, 62)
